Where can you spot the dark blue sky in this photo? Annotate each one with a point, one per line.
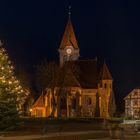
(110, 30)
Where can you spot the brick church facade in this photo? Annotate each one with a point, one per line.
(90, 95)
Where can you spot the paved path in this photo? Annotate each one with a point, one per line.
(29, 137)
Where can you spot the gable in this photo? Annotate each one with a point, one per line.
(40, 102)
(133, 94)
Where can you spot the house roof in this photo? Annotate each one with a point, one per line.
(69, 38)
(40, 102)
(132, 92)
(138, 87)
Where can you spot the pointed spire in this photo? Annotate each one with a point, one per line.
(104, 73)
(69, 38)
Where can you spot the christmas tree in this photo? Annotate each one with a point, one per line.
(11, 93)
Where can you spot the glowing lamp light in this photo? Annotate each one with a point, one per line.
(10, 82)
(31, 109)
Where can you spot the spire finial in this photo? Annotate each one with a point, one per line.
(69, 10)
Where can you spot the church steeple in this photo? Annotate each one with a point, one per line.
(104, 73)
(68, 49)
(69, 37)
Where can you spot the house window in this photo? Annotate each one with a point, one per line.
(135, 102)
(127, 102)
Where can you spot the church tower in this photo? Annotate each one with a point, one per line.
(68, 49)
(105, 90)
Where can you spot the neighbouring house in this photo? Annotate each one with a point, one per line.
(89, 95)
(132, 103)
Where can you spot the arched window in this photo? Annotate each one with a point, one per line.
(65, 58)
(105, 85)
(63, 103)
(74, 103)
(89, 101)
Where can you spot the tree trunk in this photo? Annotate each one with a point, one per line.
(53, 104)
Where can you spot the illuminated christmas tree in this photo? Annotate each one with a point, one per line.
(11, 93)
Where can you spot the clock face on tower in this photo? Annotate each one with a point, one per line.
(68, 51)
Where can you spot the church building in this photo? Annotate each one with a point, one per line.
(90, 93)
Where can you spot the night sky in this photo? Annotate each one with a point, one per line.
(32, 30)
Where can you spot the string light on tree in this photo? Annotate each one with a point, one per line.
(12, 95)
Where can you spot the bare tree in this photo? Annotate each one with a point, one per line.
(47, 77)
(52, 76)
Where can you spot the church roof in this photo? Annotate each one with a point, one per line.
(104, 73)
(70, 80)
(67, 78)
(40, 102)
(87, 73)
(69, 38)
